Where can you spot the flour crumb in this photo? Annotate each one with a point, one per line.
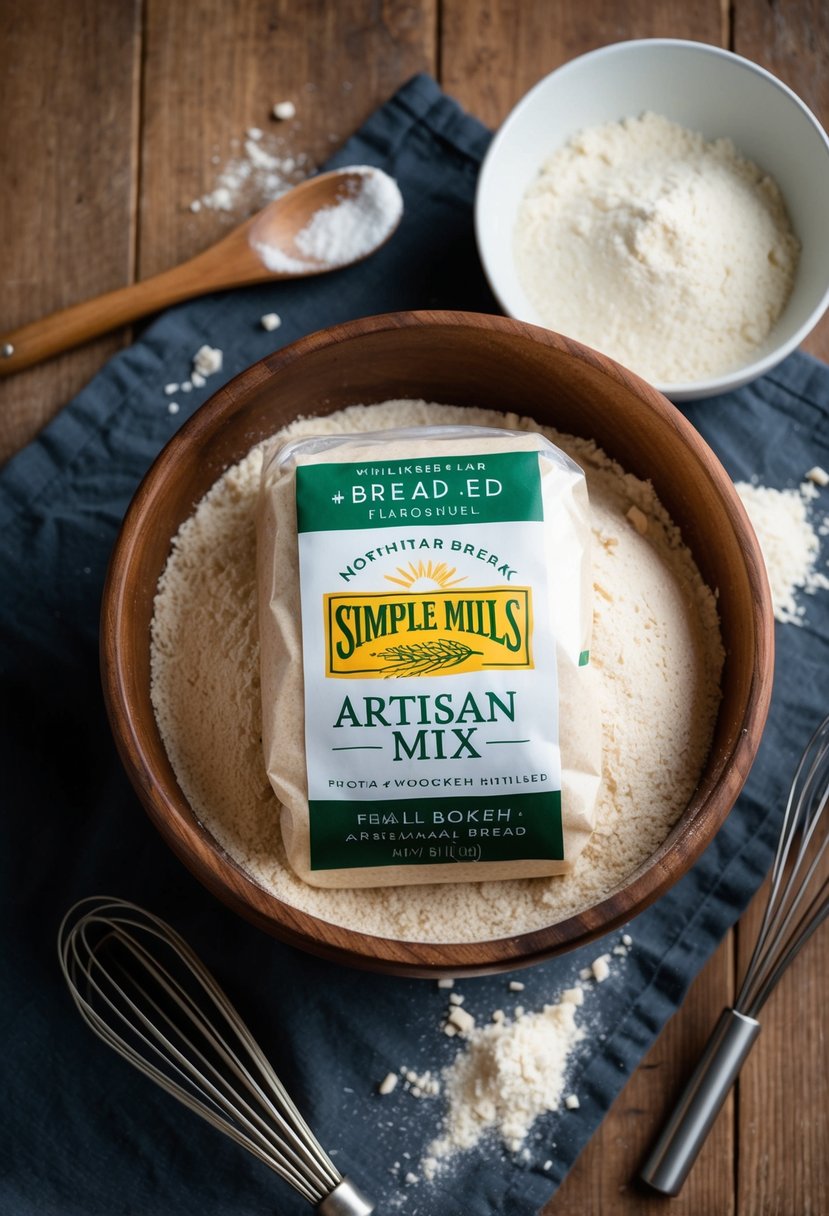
(627, 940)
(639, 519)
(572, 1102)
(388, 1084)
(600, 968)
(516, 986)
(461, 1019)
(818, 475)
(446, 982)
(456, 999)
(169, 389)
(270, 321)
(207, 360)
(197, 380)
(789, 543)
(173, 407)
(284, 110)
(573, 996)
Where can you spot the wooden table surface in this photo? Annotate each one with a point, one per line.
(118, 113)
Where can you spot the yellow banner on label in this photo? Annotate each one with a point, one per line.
(427, 633)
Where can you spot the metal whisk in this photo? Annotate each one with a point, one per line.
(787, 926)
(141, 988)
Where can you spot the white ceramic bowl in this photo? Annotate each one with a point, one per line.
(704, 89)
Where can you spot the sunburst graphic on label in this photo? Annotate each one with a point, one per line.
(425, 574)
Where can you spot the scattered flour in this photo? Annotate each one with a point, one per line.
(790, 544)
(507, 1074)
(205, 362)
(262, 167)
(671, 254)
(656, 645)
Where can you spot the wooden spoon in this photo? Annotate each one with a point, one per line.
(264, 247)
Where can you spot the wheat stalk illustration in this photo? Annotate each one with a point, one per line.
(423, 657)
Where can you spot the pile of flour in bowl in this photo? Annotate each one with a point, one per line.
(656, 645)
(669, 253)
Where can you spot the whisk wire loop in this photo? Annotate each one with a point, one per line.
(221, 1090)
(209, 1060)
(786, 927)
(781, 935)
(206, 1100)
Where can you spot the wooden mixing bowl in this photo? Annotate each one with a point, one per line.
(462, 359)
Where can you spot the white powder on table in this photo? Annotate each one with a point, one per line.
(508, 1074)
(789, 543)
(656, 646)
(262, 167)
(671, 254)
(504, 1076)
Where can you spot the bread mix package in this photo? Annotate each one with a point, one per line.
(425, 604)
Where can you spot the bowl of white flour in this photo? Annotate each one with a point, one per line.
(682, 636)
(664, 202)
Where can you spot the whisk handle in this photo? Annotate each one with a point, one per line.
(684, 1134)
(345, 1200)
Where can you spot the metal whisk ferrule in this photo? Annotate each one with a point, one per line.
(142, 990)
(798, 903)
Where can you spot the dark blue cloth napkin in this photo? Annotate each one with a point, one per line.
(84, 1133)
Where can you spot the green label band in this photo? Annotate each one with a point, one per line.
(485, 488)
(428, 831)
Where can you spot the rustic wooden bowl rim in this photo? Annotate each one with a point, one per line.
(194, 845)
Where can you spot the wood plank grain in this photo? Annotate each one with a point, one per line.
(783, 1097)
(68, 95)
(792, 41)
(335, 62)
(492, 51)
(602, 1181)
